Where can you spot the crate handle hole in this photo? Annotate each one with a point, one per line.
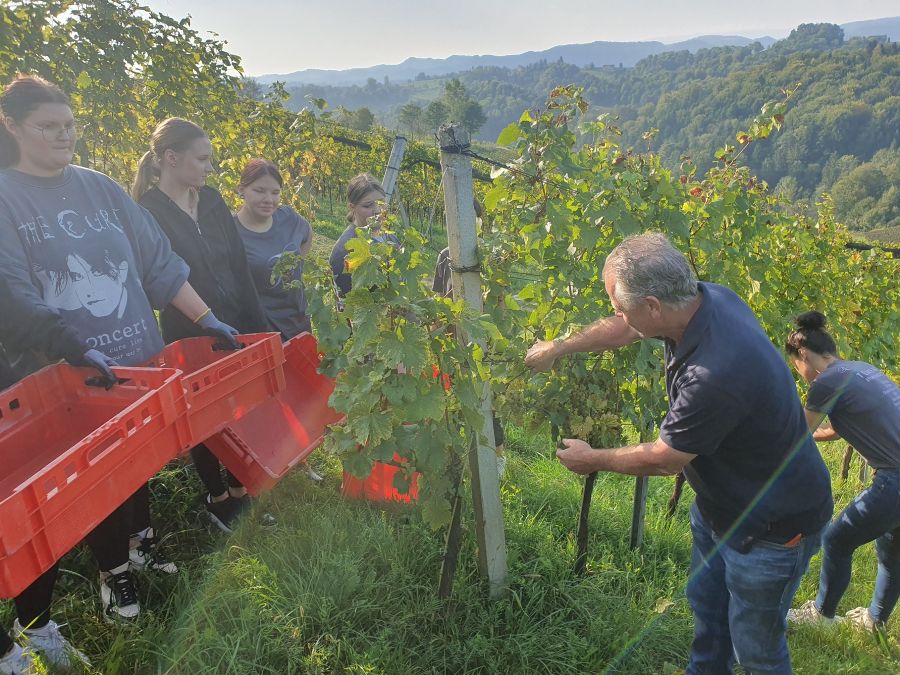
(98, 450)
(231, 369)
(71, 472)
(51, 488)
(14, 404)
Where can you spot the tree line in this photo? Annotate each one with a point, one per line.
(843, 127)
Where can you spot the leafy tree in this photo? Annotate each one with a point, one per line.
(436, 114)
(811, 37)
(868, 197)
(362, 120)
(412, 118)
(461, 107)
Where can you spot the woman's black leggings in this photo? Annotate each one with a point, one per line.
(210, 471)
(33, 605)
(109, 541)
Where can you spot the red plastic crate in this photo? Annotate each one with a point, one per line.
(222, 386)
(378, 486)
(71, 454)
(268, 442)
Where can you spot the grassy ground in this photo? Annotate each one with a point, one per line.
(347, 587)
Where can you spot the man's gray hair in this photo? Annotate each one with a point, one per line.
(650, 265)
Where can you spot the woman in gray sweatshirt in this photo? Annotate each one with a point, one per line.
(85, 267)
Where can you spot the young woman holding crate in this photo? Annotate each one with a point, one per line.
(171, 184)
(85, 268)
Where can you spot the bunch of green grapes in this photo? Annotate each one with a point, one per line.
(578, 397)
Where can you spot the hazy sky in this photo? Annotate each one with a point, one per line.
(281, 36)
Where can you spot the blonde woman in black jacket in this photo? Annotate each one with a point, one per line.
(171, 184)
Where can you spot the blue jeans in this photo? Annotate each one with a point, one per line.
(873, 515)
(740, 601)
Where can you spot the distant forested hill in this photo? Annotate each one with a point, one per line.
(842, 132)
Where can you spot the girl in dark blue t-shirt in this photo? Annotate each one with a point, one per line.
(269, 231)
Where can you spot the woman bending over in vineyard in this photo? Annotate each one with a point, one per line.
(270, 231)
(171, 184)
(863, 407)
(84, 267)
(364, 203)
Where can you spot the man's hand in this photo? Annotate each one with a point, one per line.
(542, 355)
(577, 456)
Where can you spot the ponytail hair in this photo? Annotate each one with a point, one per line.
(358, 187)
(810, 334)
(174, 134)
(18, 100)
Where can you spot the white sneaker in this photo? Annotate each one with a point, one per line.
(312, 475)
(146, 554)
(17, 662)
(860, 617)
(501, 465)
(52, 645)
(808, 614)
(119, 597)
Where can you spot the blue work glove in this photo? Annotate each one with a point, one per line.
(95, 359)
(212, 326)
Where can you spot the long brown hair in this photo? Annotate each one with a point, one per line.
(174, 134)
(18, 100)
(358, 187)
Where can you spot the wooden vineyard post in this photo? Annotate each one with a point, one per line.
(392, 171)
(392, 174)
(639, 510)
(845, 462)
(461, 237)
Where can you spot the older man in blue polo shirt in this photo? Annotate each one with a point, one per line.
(736, 428)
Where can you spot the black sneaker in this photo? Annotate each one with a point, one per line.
(245, 506)
(119, 598)
(224, 514)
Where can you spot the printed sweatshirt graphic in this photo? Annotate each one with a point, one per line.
(76, 245)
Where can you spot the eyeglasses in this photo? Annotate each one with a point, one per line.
(53, 131)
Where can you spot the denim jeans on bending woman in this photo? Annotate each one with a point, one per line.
(873, 515)
(740, 601)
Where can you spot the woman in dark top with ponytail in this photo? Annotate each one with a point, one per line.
(863, 407)
(171, 184)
